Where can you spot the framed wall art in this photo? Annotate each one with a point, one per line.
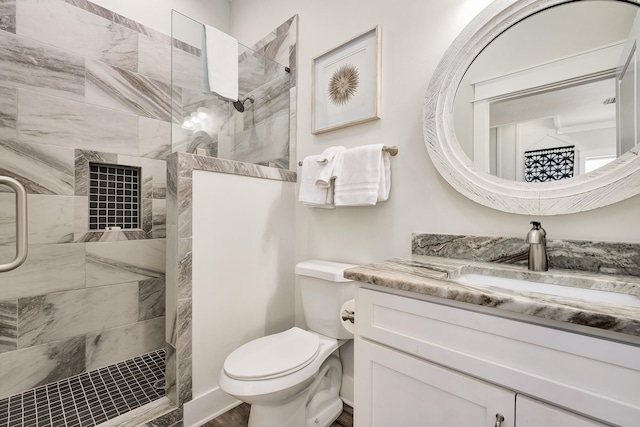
(346, 83)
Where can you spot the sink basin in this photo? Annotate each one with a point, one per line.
(592, 295)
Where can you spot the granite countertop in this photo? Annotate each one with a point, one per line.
(437, 277)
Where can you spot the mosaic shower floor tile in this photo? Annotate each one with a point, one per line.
(90, 398)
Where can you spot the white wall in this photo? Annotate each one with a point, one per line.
(243, 279)
(157, 13)
(243, 276)
(415, 34)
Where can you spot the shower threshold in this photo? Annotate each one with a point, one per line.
(90, 398)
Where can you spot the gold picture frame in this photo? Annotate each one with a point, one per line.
(346, 83)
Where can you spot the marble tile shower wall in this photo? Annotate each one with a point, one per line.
(261, 133)
(79, 84)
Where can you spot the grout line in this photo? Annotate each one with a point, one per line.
(104, 385)
(22, 406)
(73, 400)
(48, 405)
(84, 395)
(64, 412)
(119, 390)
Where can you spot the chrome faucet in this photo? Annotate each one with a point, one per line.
(537, 241)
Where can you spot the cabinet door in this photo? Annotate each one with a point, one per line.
(533, 413)
(395, 389)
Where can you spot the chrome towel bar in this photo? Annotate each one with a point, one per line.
(392, 150)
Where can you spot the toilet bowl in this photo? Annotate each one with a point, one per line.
(279, 383)
(293, 378)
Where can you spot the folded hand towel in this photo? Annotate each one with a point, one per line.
(364, 177)
(329, 162)
(310, 194)
(219, 63)
(329, 154)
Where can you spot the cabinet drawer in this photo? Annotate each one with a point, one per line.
(531, 413)
(587, 375)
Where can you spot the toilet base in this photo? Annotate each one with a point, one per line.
(284, 414)
(317, 406)
(327, 410)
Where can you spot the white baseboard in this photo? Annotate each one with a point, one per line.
(208, 406)
(216, 402)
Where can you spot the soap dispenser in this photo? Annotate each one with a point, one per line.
(537, 241)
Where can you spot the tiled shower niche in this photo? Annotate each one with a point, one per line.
(114, 197)
(151, 187)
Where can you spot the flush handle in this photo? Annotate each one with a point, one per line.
(499, 420)
(349, 315)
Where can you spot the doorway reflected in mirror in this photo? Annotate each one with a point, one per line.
(552, 80)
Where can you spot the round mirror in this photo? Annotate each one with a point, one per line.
(533, 108)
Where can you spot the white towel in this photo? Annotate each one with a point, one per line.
(219, 63)
(329, 162)
(329, 154)
(364, 177)
(310, 194)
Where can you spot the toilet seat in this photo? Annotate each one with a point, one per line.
(283, 386)
(273, 356)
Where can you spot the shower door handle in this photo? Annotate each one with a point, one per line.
(21, 223)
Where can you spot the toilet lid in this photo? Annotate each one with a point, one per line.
(273, 356)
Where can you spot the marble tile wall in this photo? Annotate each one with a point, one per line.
(261, 133)
(80, 84)
(8, 16)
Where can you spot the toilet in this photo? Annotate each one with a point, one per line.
(293, 378)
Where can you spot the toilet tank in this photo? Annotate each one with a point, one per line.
(324, 289)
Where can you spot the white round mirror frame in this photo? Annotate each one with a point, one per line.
(609, 184)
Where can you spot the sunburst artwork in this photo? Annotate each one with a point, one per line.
(343, 84)
(346, 83)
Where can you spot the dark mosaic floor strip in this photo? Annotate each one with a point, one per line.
(90, 398)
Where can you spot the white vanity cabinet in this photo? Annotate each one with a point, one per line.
(421, 362)
(395, 389)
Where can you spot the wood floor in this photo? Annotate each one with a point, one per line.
(239, 417)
